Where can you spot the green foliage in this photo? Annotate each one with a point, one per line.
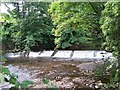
(5, 31)
(108, 73)
(74, 22)
(50, 86)
(45, 81)
(110, 28)
(35, 27)
(2, 59)
(25, 84)
(32, 29)
(114, 72)
(100, 71)
(5, 72)
(13, 78)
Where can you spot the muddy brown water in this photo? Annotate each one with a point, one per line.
(52, 69)
(49, 69)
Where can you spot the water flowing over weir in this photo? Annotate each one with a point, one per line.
(86, 55)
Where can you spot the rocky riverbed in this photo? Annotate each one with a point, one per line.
(62, 74)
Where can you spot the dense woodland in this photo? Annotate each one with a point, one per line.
(57, 25)
(65, 25)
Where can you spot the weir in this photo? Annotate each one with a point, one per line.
(89, 55)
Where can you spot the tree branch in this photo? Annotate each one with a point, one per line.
(93, 8)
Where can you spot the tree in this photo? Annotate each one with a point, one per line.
(74, 22)
(110, 27)
(33, 27)
(36, 25)
(110, 24)
(6, 33)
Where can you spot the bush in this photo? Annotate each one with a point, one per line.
(110, 25)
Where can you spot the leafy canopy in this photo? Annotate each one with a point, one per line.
(74, 22)
(32, 26)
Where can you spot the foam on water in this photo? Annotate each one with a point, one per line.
(12, 55)
(63, 54)
(34, 54)
(79, 54)
(87, 54)
(46, 54)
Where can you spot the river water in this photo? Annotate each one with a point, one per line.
(63, 73)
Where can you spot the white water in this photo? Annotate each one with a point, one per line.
(46, 54)
(34, 54)
(12, 55)
(63, 54)
(87, 54)
(82, 54)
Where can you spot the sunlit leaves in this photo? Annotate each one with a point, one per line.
(73, 22)
(110, 24)
(5, 71)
